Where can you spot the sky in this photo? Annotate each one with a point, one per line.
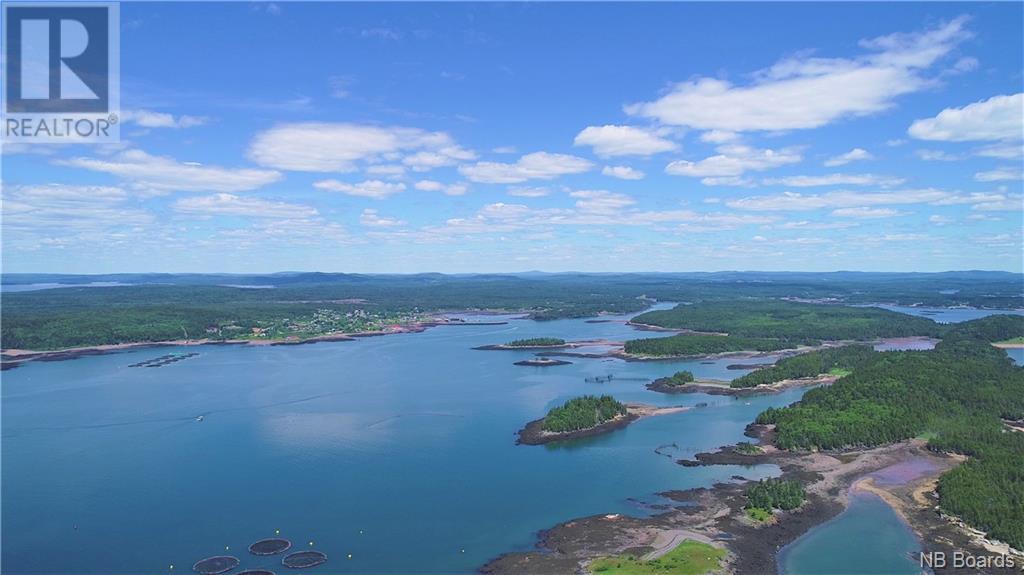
(489, 137)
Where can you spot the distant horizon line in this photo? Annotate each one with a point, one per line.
(523, 272)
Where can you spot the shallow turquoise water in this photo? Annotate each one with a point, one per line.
(868, 537)
(409, 438)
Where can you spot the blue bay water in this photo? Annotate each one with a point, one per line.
(868, 537)
(397, 449)
(949, 315)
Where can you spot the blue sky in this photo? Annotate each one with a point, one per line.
(465, 137)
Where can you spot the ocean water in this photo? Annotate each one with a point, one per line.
(399, 450)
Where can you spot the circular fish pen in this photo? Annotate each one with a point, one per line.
(216, 565)
(271, 546)
(255, 572)
(304, 559)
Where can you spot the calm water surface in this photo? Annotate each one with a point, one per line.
(398, 449)
(866, 538)
(949, 315)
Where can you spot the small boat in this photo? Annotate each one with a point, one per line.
(199, 418)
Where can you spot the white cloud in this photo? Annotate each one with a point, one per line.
(1003, 174)
(161, 174)
(232, 205)
(937, 156)
(854, 155)
(1002, 151)
(52, 209)
(538, 165)
(809, 92)
(835, 180)
(601, 201)
(340, 147)
(867, 213)
(998, 118)
(375, 189)
(150, 119)
(611, 140)
(840, 199)
(449, 189)
(733, 160)
(448, 156)
(371, 218)
(531, 192)
(940, 220)
(719, 137)
(391, 170)
(1001, 203)
(622, 172)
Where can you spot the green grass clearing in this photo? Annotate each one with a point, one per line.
(758, 514)
(688, 558)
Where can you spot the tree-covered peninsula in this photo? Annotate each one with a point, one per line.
(835, 360)
(787, 320)
(684, 345)
(958, 395)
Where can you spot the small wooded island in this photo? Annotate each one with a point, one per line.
(531, 343)
(587, 416)
(672, 383)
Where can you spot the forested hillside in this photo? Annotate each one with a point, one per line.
(958, 393)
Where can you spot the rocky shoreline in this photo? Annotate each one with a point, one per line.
(716, 514)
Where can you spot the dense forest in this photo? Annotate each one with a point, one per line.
(536, 341)
(958, 394)
(582, 413)
(158, 307)
(683, 345)
(789, 320)
(810, 364)
(768, 494)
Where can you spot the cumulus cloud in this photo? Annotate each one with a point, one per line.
(612, 140)
(341, 147)
(161, 174)
(448, 189)
(734, 160)
(232, 205)
(535, 166)
(622, 172)
(371, 218)
(809, 92)
(375, 189)
(834, 180)
(854, 155)
(997, 118)
(150, 119)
